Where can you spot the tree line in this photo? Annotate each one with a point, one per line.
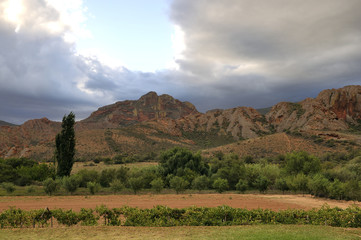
(333, 176)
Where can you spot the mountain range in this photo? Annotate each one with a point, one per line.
(328, 123)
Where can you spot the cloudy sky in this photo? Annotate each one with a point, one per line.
(77, 55)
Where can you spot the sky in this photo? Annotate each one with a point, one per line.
(78, 55)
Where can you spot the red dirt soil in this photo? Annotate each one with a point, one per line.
(249, 201)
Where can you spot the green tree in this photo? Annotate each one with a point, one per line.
(281, 184)
(71, 183)
(157, 185)
(242, 185)
(262, 183)
(51, 186)
(176, 160)
(107, 176)
(302, 162)
(136, 183)
(93, 187)
(86, 176)
(353, 190)
(200, 183)
(318, 185)
(116, 186)
(230, 167)
(178, 184)
(337, 189)
(220, 185)
(65, 146)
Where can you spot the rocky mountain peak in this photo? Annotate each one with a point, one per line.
(344, 102)
(148, 107)
(332, 109)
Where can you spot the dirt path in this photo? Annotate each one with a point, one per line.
(249, 201)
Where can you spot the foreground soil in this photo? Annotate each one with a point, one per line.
(249, 201)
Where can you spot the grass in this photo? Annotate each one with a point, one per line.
(235, 232)
(101, 166)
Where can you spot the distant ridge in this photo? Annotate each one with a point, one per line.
(3, 123)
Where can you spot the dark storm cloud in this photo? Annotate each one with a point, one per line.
(285, 50)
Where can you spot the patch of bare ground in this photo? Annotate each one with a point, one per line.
(248, 201)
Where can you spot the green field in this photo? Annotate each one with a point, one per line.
(278, 232)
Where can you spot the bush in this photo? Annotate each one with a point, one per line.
(116, 186)
(106, 177)
(136, 184)
(71, 183)
(51, 186)
(220, 185)
(66, 217)
(93, 187)
(157, 185)
(302, 162)
(281, 184)
(319, 185)
(242, 185)
(262, 184)
(9, 187)
(31, 189)
(178, 184)
(200, 183)
(176, 160)
(86, 176)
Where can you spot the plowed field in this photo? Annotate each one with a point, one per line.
(249, 201)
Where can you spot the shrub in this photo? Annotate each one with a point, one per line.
(9, 187)
(242, 185)
(302, 162)
(51, 186)
(66, 217)
(178, 159)
(178, 184)
(31, 189)
(157, 185)
(106, 177)
(116, 186)
(200, 183)
(220, 185)
(93, 187)
(86, 176)
(262, 184)
(136, 184)
(318, 185)
(281, 184)
(71, 183)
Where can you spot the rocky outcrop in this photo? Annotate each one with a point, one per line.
(148, 107)
(18, 141)
(241, 122)
(332, 109)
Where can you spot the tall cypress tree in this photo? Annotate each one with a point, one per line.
(65, 146)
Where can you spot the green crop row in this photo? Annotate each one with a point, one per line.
(161, 216)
